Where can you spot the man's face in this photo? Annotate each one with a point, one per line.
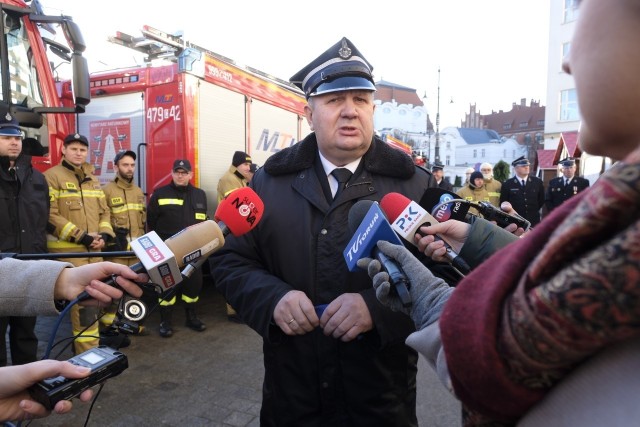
(343, 123)
(181, 177)
(75, 153)
(126, 167)
(478, 182)
(522, 170)
(569, 171)
(438, 173)
(10, 146)
(244, 169)
(486, 172)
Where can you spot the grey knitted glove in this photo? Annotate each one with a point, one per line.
(428, 293)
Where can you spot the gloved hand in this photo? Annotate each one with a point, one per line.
(428, 293)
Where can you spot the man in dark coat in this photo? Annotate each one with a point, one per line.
(24, 211)
(565, 186)
(438, 173)
(524, 192)
(333, 355)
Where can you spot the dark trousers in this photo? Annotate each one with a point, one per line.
(23, 341)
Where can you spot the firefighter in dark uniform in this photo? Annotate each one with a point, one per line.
(171, 209)
(524, 192)
(438, 173)
(565, 186)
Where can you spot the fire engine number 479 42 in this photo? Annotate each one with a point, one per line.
(160, 114)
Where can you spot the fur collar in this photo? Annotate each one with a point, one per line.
(380, 159)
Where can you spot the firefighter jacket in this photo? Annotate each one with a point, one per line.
(24, 208)
(78, 207)
(172, 208)
(128, 209)
(231, 180)
(493, 186)
(474, 194)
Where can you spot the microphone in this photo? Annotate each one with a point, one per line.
(371, 226)
(193, 245)
(445, 205)
(407, 218)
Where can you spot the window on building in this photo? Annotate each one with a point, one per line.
(539, 137)
(565, 52)
(570, 10)
(402, 112)
(524, 124)
(448, 161)
(482, 153)
(569, 105)
(541, 122)
(513, 154)
(504, 153)
(506, 126)
(527, 138)
(448, 145)
(475, 154)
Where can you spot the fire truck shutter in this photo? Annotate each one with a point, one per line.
(222, 132)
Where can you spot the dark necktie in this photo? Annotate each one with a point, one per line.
(524, 184)
(12, 173)
(342, 175)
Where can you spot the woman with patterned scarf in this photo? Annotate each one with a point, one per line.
(567, 293)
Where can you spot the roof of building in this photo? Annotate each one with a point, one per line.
(479, 136)
(387, 92)
(568, 141)
(520, 118)
(546, 159)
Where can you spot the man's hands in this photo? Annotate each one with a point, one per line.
(455, 232)
(345, 318)
(15, 401)
(72, 281)
(428, 293)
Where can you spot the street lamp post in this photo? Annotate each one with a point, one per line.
(427, 132)
(437, 152)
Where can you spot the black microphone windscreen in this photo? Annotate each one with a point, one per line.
(357, 213)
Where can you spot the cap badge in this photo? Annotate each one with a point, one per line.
(8, 117)
(77, 135)
(345, 51)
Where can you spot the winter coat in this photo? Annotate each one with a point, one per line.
(528, 200)
(231, 180)
(24, 221)
(128, 209)
(314, 380)
(473, 194)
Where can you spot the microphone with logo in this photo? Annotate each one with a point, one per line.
(445, 205)
(406, 219)
(369, 225)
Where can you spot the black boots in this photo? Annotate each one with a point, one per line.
(166, 330)
(192, 320)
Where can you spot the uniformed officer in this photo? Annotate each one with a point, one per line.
(79, 221)
(438, 173)
(565, 186)
(523, 191)
(172, 208)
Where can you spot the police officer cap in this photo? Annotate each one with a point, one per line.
(9, 126)
(567, 163)
(76, 137)
(520, 161)
(121, 154)
(182, 164)
(437, 167)
(341, 67)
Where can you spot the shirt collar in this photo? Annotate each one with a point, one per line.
(329, 167)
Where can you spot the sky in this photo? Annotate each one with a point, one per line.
(490, 53)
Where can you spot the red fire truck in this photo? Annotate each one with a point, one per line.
(200, 106)
(28, 89)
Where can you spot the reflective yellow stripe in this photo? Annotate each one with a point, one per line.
(189, 300)
(62, 244)
(163, 202)
(98, 194)
(105, 225)
(67, 231)
(201, 216)
(127, 207)
(492, 194)
(165, 303)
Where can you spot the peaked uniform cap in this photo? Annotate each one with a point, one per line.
(520, 161)
(341, 67)
(76, 137)
(567, 163)
(437, 167)
(9, 126)
(182, 164)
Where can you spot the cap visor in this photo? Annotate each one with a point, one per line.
(344, 83)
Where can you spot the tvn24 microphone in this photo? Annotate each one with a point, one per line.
(370, 226)
(406, 219)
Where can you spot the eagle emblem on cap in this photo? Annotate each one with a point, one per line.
(8, 117)
(345, 51)
(181, 163)
(77, 135)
